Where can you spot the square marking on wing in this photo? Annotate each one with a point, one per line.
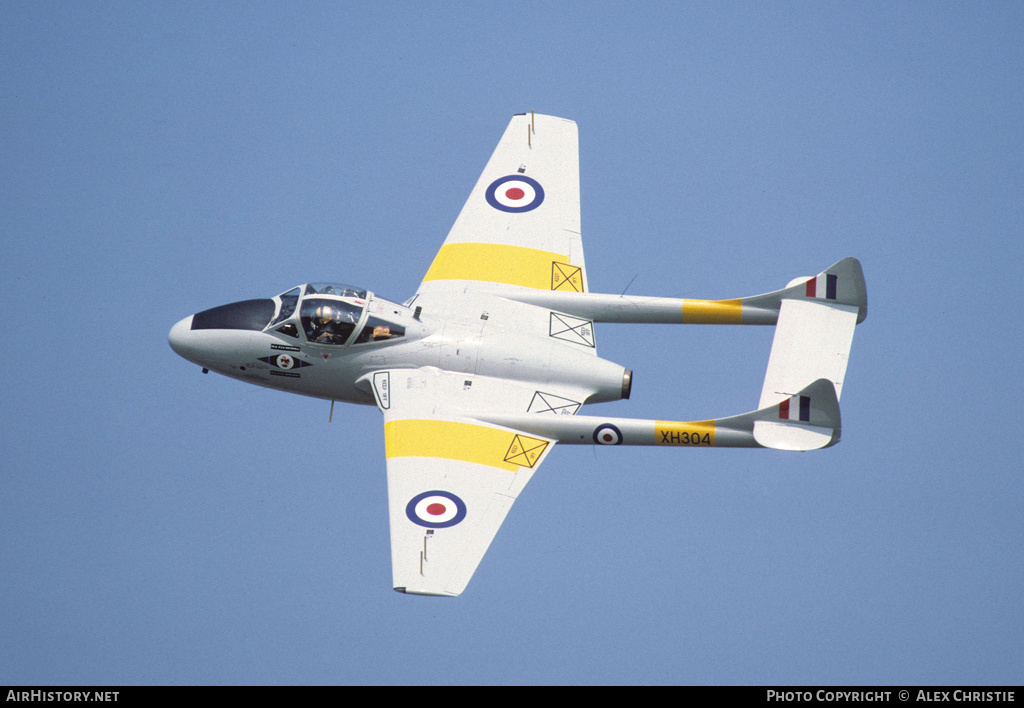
(550, 403)
(572, 329)
(566, 277)
(525, 451)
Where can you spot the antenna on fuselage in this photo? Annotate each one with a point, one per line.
(627, 286)
(331, 416)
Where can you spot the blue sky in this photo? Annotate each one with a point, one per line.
(163, 527)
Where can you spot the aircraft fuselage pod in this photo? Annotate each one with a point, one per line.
(329, 344)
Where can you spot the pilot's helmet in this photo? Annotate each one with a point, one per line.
(324, 314)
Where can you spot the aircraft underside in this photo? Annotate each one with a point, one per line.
(486, 368)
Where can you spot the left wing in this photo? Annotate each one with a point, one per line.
(451, 478)
(520, 226)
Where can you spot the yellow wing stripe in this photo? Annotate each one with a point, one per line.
(713, 311)
(467, 442)
(502, 263)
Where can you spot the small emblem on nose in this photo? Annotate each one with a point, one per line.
(285, 361)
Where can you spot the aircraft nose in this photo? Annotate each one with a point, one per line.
(180, 339)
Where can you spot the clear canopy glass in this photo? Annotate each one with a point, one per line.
(328, 314)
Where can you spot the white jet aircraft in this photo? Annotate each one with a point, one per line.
(481, 372)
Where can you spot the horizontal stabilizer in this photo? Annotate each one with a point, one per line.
(812, 341)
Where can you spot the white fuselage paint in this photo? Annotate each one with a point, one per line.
(494, 343)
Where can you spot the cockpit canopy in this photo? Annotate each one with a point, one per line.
(329, 314)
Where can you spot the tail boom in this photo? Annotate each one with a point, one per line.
(840, 284)
(806, 421)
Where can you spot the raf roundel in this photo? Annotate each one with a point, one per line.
(607, 434)
(515, 194)
(436, 509)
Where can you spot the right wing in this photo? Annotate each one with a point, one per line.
(521, 224)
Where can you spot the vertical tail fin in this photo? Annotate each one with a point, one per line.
(807, 420)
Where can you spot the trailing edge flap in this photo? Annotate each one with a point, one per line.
(451, 482)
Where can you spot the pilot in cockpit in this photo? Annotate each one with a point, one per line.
(327, 325)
